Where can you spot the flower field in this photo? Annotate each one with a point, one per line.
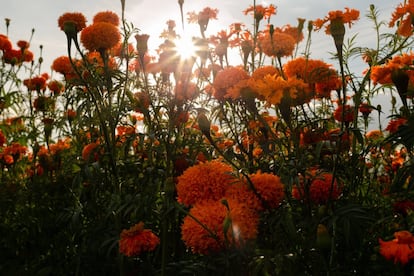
(123, 162)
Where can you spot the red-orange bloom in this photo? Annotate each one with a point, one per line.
(205, 181)
(137, 240)
(344, 113)
(348, 16)
(62, 65)
(237, 224)
(226, 79)
(76, 18)
(268, 187)
(322, 188)
(400, 249)
(394, 124)
(404, 14)
(88, 150)
(37, 83)
(5, 43)
(100, 36)
(106, 16)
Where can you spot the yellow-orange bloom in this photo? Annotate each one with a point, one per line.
(205, 181)
(100, 36)
(137, 240)
(400, 249)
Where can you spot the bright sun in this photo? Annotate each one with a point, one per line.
(185, 47)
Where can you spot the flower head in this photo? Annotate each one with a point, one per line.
(72, 22)
(205, 181)
(100, 36)
(260, 12)
(348, 16)
(344, 113)
(137, 240)
(232, 221)
(400, 249)
(106, 16)
(277, 44)
(226, 79)
(322, 188)
(404, 14)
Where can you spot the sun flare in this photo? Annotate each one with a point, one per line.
(185, 47)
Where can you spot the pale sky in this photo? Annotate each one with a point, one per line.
(150, 17)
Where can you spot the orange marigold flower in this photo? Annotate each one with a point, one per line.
(204, 181)
(203, 17)
(56, 87)
(62, 65)
(37, 83)
(5, 43)
(400, 249)
(268, 186)
(88, 150)
(394, 124)
(348, 16)
(404, 14)
(106, 16)
(383, 73)
(344, 113)
(76, 18)
(100, 36)
(235, 223)
(277, 44)
(260, 12)
(137, 240)
(23, 44)
(262, 71)
(226, 79)
(322, 188)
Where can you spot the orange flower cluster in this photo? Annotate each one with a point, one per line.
(316, 73)
(12, 153)
(319, 187)
(213, 225)
(37, 83)
(15, 56)
(100, 36)
(403, 14)
(137, 240)
(383, 74)
(400, 249)
(228, 83)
